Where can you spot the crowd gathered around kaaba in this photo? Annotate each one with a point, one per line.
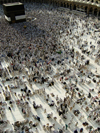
(50, 72)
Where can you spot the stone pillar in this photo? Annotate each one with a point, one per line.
(63, 4)
(83, 8)
(96, 11)
(87, 10)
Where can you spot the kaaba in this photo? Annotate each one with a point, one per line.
(14, 12)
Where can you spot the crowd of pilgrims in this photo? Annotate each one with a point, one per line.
(54, 45)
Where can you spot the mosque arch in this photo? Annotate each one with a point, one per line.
(53, 2)
(85, 9)
(56, 3)
(74, 7)
(43, 1)
(67, 5)
(50, 1)
(64, 4)
(90, 10)
(61, 4)
(95, 11)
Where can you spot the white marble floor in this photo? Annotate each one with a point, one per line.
(75, 37)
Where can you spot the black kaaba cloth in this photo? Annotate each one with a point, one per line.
(14, 12)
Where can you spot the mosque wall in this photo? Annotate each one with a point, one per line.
(87, 6)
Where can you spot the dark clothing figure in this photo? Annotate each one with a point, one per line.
(60, 113)
(75, 131)
(38, 118)
(9, 108)
(81, 130)
(89, 95)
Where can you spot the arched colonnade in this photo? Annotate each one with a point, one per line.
(89, 8)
